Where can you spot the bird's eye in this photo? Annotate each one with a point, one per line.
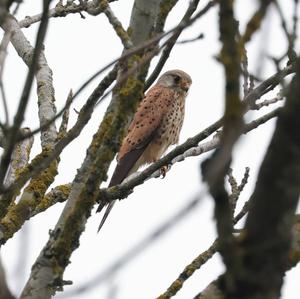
(176, 79)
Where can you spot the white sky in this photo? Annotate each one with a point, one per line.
(75, 48)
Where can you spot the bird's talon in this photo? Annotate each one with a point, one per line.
(163, 171)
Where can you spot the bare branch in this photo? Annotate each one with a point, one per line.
(57, 194)
(29, 206)
(1, 138)
(191, 40)
(214, 169)
(290, 36)
(295, 21)
(117, 25)
(4, 101)
(233, 197)
(65, 118)
(3, 50)
(213, 290)
(91, 7)
(3, 53)
(266, 103)
(255, 21)
(268, 85)
(189, 270)
(165, 8)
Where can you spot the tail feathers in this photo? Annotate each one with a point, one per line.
(124, 167)
(107, 211)
(102, 204)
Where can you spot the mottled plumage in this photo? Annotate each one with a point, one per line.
(155, 126)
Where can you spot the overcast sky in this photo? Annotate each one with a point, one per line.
(75, 48)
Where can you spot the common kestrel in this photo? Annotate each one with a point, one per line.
(155, 126)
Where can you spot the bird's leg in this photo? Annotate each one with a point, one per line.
(163, 170)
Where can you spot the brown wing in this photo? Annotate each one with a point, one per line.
(141, 130)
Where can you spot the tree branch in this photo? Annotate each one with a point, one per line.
(216, 167)
(214, 289)
(268, 231)
(117, 25)
(91, 7)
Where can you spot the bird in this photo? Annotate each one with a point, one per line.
(155, 126)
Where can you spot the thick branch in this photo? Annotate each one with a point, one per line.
(13, 132)
(214, 289)
(43, 76)
(268, 227)
(215, 168)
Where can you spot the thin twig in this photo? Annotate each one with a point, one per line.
(61, 10)
(266, 103)
(267, 85)
(295, 21)
(118, 27)
(233, 197)
(4, 102)
(65, 118)
(255, 22)
(245, 72)
(3, 54)
(191, 40)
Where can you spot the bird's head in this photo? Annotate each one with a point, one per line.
(176, 79)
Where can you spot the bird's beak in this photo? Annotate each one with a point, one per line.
(185, 86)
